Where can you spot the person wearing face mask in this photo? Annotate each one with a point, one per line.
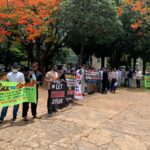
(13, 76)
(35, 75)
(50, 77)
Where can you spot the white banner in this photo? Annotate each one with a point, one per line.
(78, 90)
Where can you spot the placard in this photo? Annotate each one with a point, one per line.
(71, 82)
(92, 76)
(78, 90)
(147, 81)
(13, 93)
(58, 93)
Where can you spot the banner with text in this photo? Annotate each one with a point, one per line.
(71, 81)
(92, 76)
(58, 92)
(13, 93)
(147, 81)
(78, 90)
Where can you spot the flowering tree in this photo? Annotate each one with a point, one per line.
(134, 15)
(136, 10)
(26, 21)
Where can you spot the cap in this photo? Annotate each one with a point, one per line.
(15, 66)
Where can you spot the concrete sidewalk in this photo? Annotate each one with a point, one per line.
(118, 121)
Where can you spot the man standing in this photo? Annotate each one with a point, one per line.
(101, 77)
(114, 75)
(35, 75)
(104, 81)
(119, 76)
(51, 76)
(13, 76)
(130, 76)
(126, 72)
(138, 77)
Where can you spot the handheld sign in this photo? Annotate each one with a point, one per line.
(78, 87)
(71, 82)
(13, 93)
(58, 93)
(147, 81)
(92, 76)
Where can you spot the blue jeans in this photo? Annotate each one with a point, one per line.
(4, 112)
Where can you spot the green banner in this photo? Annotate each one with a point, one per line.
(147, 81)
(12, 93)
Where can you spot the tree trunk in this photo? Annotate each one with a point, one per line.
(30, 54)
(38, 51)
(144, 66)
(7, 58)
(81, 53)
(46, 64)
(129, 62)
(102, 61)
(134, 64)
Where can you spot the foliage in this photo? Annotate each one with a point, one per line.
(88, 21)
(39, 29)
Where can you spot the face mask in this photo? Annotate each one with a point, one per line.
(14, 70)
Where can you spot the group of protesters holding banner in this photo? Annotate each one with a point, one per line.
(16, 76)
(65, 84)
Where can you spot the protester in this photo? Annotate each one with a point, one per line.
(104, 81)
(119, 76)
(130, 76)
(81, 71)
(65, 68)
(114, 75)
(13, 76)
(35, 75)
(62, 78)
(73, 69)
(126, 77)
(110, 79)
(101, 78)
(51, 77)
(138, 77)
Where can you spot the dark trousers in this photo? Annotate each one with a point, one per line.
(108, 85)
(113, 88)
(33, 108)
(104, 85)
(125, 82)
(50, 106)
(138, 83)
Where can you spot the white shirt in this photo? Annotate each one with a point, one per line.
(114, 75)
(138, 75)
(101, 74)
(119, 73)
(15, 77)
(52, 76)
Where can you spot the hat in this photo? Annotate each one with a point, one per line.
(15, 66)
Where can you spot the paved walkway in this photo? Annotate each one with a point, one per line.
(99, 122)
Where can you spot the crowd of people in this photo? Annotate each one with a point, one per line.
(109, 80)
